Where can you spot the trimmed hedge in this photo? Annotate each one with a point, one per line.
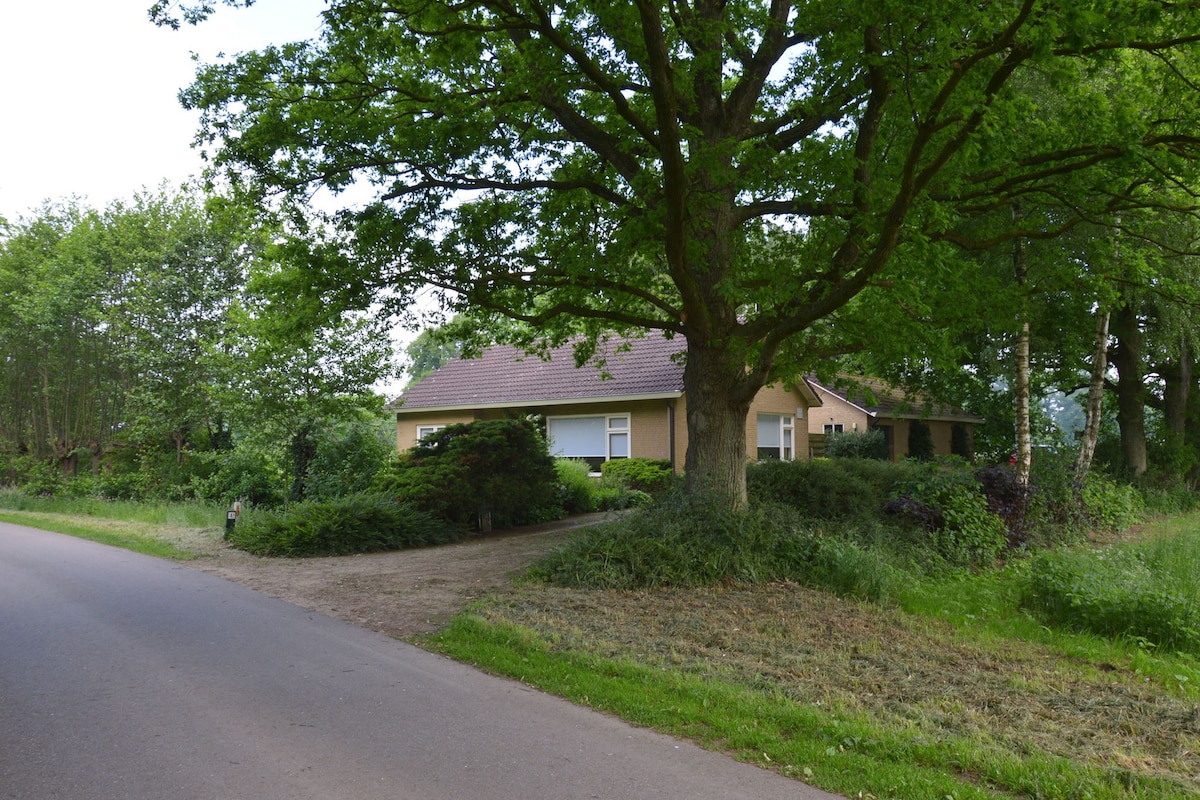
(653, 476)
(360, 523)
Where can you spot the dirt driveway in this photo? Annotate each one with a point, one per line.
(397, 593)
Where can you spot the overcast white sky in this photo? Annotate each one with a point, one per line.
(88, 93)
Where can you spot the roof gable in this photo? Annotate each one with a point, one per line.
(881, 400)
(506, 375)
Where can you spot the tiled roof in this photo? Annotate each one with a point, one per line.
(505, 375)
(882, 400)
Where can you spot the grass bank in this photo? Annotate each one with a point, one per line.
(178, 531)
(954, 692)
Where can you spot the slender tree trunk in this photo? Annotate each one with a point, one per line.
(1095, 400)
(1021, 384)
(1131, 402)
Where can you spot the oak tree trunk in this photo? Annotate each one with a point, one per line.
(714, 385)
(1131, 402)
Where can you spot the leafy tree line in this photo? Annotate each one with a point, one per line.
(142, 346)
(771, 183)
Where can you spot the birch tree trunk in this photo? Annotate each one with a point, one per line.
(1095, 401)
(1021, 384)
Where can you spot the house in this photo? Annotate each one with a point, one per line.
(861, 404)
(628, 401)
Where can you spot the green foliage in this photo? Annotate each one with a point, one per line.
(920, 441)
(1147, 594)
(575, 485)
(870, 444)
(246, 473)
(691, 540)
(360, 523)
(348, 457)
(828, 489)
(948, 503)
(1062, 510)
(682, 540)
(612, 494)
(650, 475)
(1109, 506)
(849, 569)
(498, 466)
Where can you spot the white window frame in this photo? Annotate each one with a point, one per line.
(787, 435)
(834, 427)
(429, 430)
(612, 428)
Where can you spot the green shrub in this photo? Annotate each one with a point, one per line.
(688, 540)
(347, 459)
(575, 485)
(682, 540)
(360, 523)
(1115, 592)
(827, 489)
(650, 475)
(244, 473)
(502, 467)
(614, 495)
(870, 444)
(1109, 506)
(948, 503)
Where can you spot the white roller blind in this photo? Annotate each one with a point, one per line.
(768, 430)
(576, 437)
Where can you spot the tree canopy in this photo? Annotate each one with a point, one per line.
(773, 182)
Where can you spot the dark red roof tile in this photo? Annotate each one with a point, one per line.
(506, 375)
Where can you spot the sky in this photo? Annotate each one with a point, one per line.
(89, 93)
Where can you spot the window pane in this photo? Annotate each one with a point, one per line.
(768, 431)
(618, 423)
(618, 445)
(576, 437)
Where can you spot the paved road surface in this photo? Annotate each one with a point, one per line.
(124, 677)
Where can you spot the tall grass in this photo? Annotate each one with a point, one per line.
(1145, 590)
(192, 514)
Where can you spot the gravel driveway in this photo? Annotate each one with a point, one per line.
(397, 593)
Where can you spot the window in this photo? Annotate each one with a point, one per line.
(427, 430)
(591, 439)
(775, 436)
(835, 428)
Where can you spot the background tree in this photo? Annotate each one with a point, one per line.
(733, 173)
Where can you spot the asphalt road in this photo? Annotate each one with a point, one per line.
(124, 677)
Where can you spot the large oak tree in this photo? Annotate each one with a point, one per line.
(752, 177)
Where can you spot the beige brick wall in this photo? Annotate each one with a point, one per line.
(407, 424)
(836, 411)
(778, 400)
(649, 435)
(650, 428)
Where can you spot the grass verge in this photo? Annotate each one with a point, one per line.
(955, 693)
(150, 539)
